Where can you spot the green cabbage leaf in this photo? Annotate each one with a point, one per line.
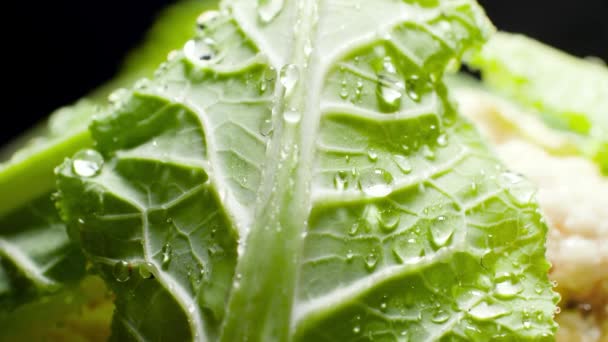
(298, 173)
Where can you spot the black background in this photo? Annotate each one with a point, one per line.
(59, 50)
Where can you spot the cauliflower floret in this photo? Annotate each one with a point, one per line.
(574, 327)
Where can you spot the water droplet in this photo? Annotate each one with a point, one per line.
(290, 75)
(389, 219)
(376, 182)
(354, 229)
(266, 127)
(122, 271)
(403, 163)
(485, 311)
(146, 270)
(474, 187)
(440, 316)
(205, 18)
(117, 96)
(372, 155)
(341, 180)
(508, 288)
(350, 255)
(216, 250)
(87, 163)
(200, 50)
(412, 88)
(371, 260)
(344, 93)
(167, 252)
(442, 140)
(389, 89)
(356, 329)
(292, 116)
(269, 9)
(428, 152)
(383, 306)
(442, 231)
(512, 177)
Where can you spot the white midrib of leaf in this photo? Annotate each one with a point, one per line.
(296, 144)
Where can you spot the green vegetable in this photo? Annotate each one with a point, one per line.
(39, 266)
(569, 93)
(297, 172)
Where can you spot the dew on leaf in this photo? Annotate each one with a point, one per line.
(442, 140)
(87, 163)
(442, 231)
(122, 271)
(372, 155)
(205, 18)
(292, 116)
(167, 253)
(485, 311)
(290, 75)
(389, 219)
(508, 288)
(371, 261)
(428, 152)
(376, 182)
(146, 270)
(341, 180)
(354, 229)
(403, 163)
(200, 50)
(269, 9)
(390, 89)
(440, 316)
(266, 127)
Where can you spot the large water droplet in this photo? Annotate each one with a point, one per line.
(403, 163)
(389, 89)
(508, 288)
(290, 75)
(146, 270)
(200, 50)
(292, 116)
(376, 182)
(485, 311)
(167, 255)
(87, 163)
(122, 271)
(269, 9)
